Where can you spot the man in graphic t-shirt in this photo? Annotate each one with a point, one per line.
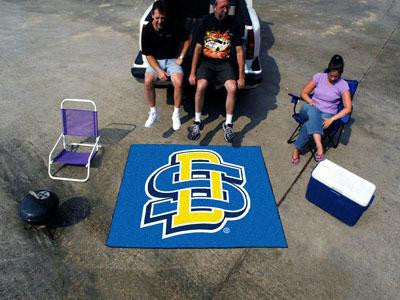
(161, 44)
(217, 36)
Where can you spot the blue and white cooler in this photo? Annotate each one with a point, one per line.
(339, 192)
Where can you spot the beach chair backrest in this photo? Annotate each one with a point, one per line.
(79, 120)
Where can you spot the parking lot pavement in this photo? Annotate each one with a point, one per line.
(52, 50)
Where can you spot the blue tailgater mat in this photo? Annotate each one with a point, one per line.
(187, 196)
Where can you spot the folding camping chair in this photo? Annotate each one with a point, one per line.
(332, 131)
(76, 123)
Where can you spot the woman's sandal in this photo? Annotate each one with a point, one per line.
(295, 160)
(319, 157)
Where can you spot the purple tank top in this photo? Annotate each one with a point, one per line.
(327, 96)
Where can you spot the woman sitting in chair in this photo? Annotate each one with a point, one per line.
(320, 110)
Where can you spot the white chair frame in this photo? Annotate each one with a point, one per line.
(95, 147)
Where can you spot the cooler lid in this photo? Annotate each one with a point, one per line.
(344, 182)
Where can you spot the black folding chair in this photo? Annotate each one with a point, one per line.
(333, 133)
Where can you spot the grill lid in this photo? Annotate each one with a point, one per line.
(39, 206)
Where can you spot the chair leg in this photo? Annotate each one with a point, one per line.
(312, 148)
(338, 138)
(331, 137)
(52, 176)
(295, 133)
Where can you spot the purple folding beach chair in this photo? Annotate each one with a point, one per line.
(76, 123)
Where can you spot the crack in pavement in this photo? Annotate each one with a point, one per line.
(372, 64)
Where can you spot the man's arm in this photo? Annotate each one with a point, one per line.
(185, 49)
(147, 50)
(154, 64)
(240, 60)
(195, 61)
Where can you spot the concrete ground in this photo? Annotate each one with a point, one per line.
(50, 50)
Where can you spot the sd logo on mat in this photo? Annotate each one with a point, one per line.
(195, 192)
(183, 196)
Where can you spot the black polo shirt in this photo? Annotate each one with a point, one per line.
(165, 43)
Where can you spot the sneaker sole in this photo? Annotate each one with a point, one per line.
(226, 138)
(196, 138)
(230, 142)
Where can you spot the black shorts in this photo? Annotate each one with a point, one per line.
(216, 73)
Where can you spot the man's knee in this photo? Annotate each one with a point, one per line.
(149, 81)
(230, 86)
(201, 85)
(177, 81)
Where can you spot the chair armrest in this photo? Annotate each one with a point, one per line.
(52, 150)
(295, 99)
(95, 147)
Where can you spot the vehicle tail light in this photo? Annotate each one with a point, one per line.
(250, 44)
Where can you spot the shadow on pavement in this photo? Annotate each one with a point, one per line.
(346, 134)
(72, 211)
(114, 132)
(260, 101)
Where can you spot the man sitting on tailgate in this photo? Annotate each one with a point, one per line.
(217, 34)
(161, 44)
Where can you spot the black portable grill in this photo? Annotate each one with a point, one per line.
(39, 209)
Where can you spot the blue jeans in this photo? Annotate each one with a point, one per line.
(168, 65)
(313, 118)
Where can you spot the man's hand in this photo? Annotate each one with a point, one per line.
(163, 75)
(240, 83)
(192, 79)
(327, 123)
(179, 61)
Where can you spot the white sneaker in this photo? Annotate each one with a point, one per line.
(176, 122)
(152, 119)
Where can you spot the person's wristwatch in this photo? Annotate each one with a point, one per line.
(181, 57)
